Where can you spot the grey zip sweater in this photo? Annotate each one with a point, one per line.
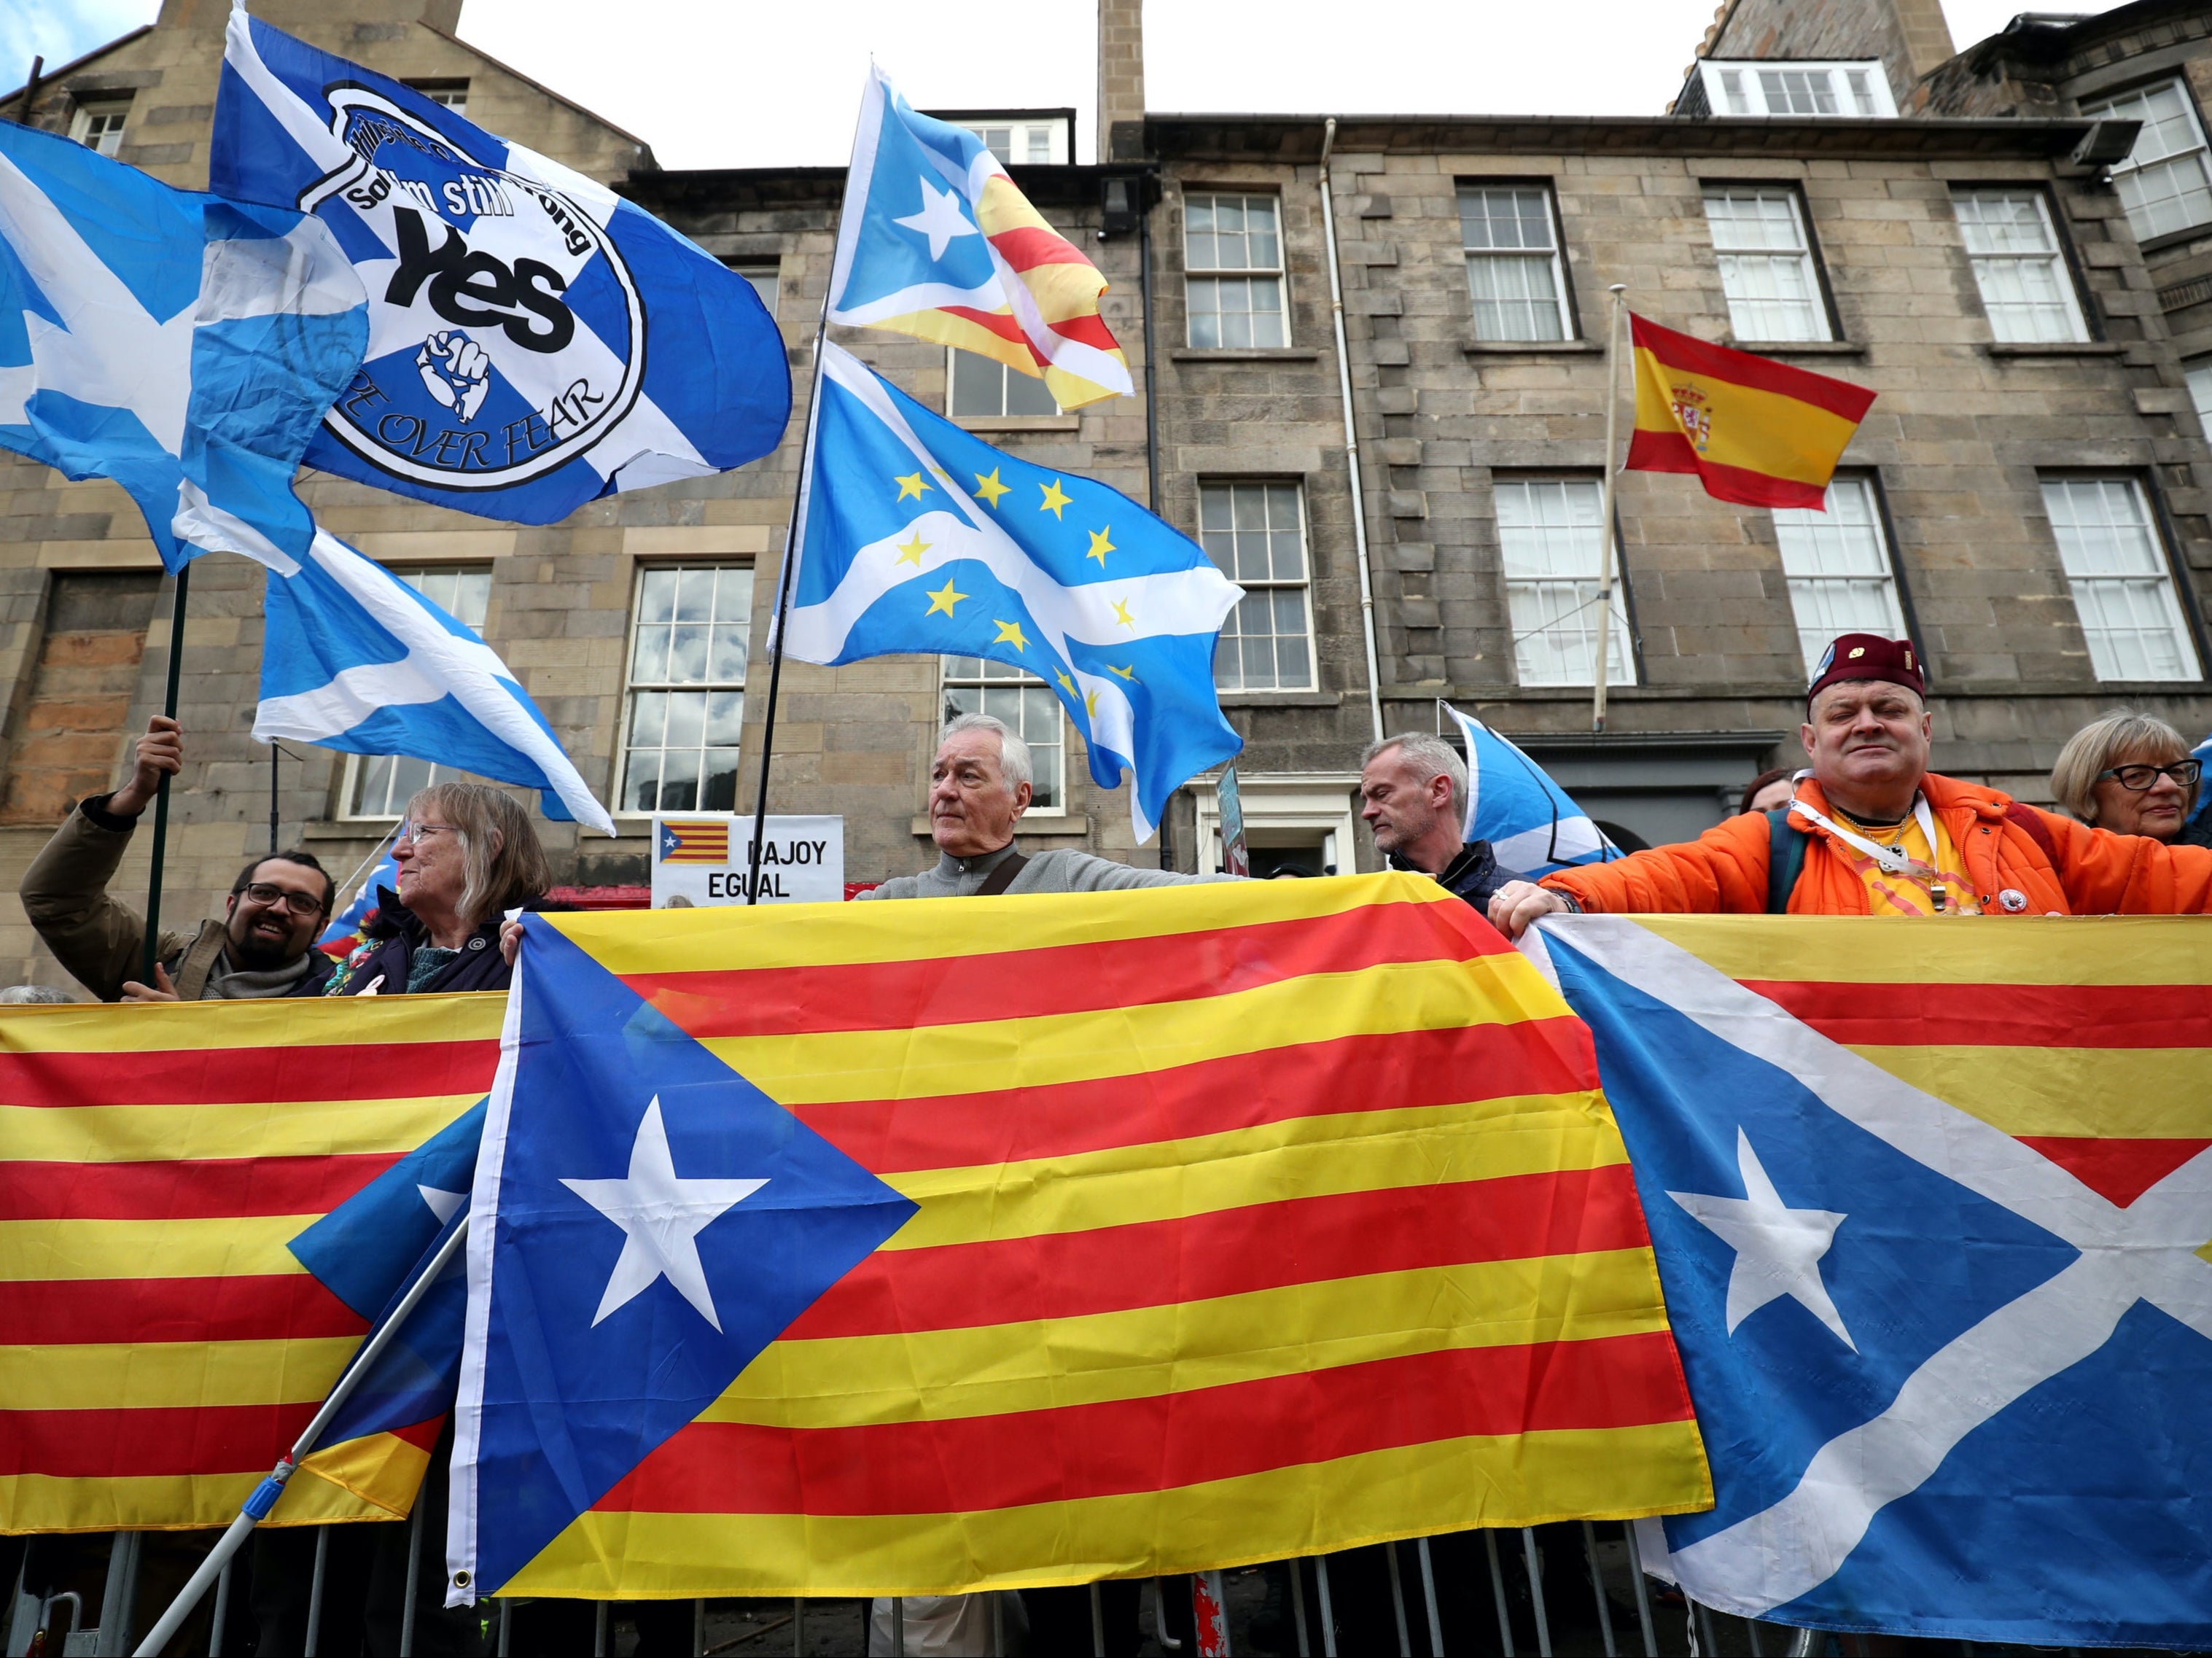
(1046, 871)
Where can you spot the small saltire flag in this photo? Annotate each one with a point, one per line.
(916, 1249)
(1756, 432)
(182, 346)
(917, 535)
(2202, 755)
(1932, 1207)
(1532, 826)
(536, 341)
(936, 241)
(354, 659)
(167, 1177)
(349, 927)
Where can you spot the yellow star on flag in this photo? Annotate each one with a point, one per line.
(911, 484)
(990, 488)
(1066, 683)
(1090, 704)
(910, 552)
(944, 600)
(1010, 633)
(1129, 674)
(1100, 546)
(1054, 498)
(1122, 613)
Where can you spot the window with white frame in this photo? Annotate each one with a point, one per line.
(1766, 262)
(2116, 563)
(687, 688)
(2199, 374)
(1020, 141)
(977, 388)
(98, 124)
(765, 276)
(1851, 87)
(1257, 533)
(975, 684)
(380, 785)
(2027, 289)
(1233, 271)
(449, 94)
(1513, 269)
(1551, 543)
(1837, 563)
(2166, 183)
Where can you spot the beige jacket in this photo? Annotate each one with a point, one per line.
(98, 939)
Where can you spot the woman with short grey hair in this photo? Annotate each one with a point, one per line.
(2132, 774)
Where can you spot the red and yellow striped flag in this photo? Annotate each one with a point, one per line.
(1255, 1221)
(161, 1345)
(1756, 432)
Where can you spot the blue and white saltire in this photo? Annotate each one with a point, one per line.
(917, 535)
(1947, 1389)
(2202, 755)
(182, 346)
(535, 340)
(355, 659)
(1532, 826)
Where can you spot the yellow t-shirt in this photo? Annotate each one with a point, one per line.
(1933, 873)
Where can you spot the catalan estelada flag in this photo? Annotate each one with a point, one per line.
(936, 241)
(922, 1248)
(1756, 432)
(700, 842)
(1932, 1201)
(163, 1174)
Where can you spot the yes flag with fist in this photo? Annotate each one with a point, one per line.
(535, 340)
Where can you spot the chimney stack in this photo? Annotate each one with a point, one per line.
(1120, 79)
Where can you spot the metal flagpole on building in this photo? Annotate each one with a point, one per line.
(151, 953)
(1605, 503)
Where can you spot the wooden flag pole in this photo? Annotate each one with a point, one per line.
(151, 954)
(1605, 503)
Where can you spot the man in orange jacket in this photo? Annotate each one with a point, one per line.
(1873, 832)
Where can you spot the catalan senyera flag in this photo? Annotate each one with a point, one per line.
(936, 241)
(704, 841)
(162, 1338)
(1756, 432)
(1932, 1201)
(923, 1248)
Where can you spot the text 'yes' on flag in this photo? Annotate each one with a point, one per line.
(177, 1295)
(1933, 1207)
(535, 340)
(917, 535)
(936, 241)
(1532, 826)
(1755, 432)
(851, 1250)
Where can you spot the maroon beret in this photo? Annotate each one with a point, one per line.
(1869, 656)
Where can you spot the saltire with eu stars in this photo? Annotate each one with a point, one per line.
(825, 1250)
(936, 241)
(1933, 1207)
(917, 536)
(202, 1208)
(535, 340)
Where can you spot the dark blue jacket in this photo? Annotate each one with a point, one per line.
(1474, 875)
(395, 936)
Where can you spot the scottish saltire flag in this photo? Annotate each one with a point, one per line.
(534, 341)
(182, 346)
(2202, 754)
(1513, 802)
(356, 660)
(177, 1293)
(1933, 1208)
(836, 1249)
(349, 927)
(917, 536)
(935, 242)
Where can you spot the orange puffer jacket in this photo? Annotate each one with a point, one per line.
(1723, 870)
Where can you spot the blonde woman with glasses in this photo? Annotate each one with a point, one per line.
(2131, 773)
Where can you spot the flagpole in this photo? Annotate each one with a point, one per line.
(1605, 503)
(257, 1507)
(150, 955)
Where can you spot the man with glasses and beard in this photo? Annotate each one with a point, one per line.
(263, 945)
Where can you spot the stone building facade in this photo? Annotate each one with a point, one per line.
(1474, 258)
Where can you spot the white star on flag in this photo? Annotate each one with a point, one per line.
(661, 1217)
(940, 219)
(1778, 1248)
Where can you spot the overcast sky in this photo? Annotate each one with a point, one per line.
(769, 83)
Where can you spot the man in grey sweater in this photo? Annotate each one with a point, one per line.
(979, 787)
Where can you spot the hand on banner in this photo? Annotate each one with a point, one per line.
(1517, 903)
(456, 370)
(161, 750)
(164, 989)
(510, 941)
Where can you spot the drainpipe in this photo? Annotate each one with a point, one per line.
(1351, 437)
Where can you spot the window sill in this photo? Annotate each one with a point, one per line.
(1235, 353)
(2054, 348)
(2182, 238)
(1058, 825)
(1532, 348)
(1281, 699)
(1797, 348)
(1017, 422)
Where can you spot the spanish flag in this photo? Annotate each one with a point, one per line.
(1757, 433)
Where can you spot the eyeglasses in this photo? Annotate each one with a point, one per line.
(299, 903)
(2137, 779)
(421, 831)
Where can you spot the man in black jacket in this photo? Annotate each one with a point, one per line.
(1412, 794)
